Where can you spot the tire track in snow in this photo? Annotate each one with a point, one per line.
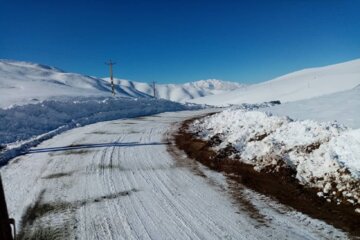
(138, 190)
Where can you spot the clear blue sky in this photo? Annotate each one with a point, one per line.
(179, 41)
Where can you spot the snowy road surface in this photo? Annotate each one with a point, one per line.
(123, 180)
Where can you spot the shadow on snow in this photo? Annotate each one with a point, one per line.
(96, 145)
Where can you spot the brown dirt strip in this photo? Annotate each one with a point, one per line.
(281, 185)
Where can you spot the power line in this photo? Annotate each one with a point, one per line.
(154, 89)
(111, 63)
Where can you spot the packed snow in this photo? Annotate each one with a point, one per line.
(181, 92)
(300, 85)
(325, 155)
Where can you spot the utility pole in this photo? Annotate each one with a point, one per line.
(5, 221)
(154, 89)
(111, 63)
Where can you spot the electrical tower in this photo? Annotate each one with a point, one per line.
(111, 63)
(154, 89)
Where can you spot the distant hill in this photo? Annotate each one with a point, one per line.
(299, 85)
(182, 92)
(25, 82)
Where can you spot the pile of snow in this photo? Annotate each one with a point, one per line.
(25, 125)
(181, 92)
(295, 86)
(342, 107)
(24, 82)
(325, 155)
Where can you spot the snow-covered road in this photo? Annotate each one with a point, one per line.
(123, 179)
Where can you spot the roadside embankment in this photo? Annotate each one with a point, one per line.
(280, 184)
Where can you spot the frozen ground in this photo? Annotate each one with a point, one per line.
(324, 155)
(118, 180)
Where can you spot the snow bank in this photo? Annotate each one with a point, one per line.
(40, 121)
(324, 155)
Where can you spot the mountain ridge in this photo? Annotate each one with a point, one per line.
(182, 92)
(26, 82)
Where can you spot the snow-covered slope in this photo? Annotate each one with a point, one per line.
(295, 86)
(23, 82)
(182, 92)
(343, 107)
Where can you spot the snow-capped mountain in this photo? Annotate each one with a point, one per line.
(24, 82)
(182, 92)
(214, 84)
(299, 85)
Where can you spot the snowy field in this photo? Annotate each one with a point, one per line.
(343, 107)
(299, 85)
(324, 155)
(118, 180)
